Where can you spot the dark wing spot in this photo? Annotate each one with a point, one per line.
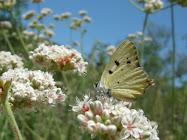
(128, 62)
(110, 72)
(127, 58)
(117, 63)
(118, 82)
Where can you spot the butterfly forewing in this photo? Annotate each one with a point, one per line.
(123, 75)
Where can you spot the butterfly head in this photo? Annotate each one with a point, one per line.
(101, 89)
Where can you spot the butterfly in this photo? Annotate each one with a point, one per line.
(123, 77)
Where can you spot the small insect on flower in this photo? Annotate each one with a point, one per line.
(123, 77)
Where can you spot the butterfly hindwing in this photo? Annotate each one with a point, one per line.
(123, 75)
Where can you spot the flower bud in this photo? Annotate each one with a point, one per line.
(89, 115)
(102, 128)
(82, 119)
(112, 129)
(107, 122)
(105, 114)
(98, 107)
(85, 108)
(92, 127)
(98, 118)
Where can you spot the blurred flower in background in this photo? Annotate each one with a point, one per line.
(5, 25)
(110, 50)
(9, 61)
(180, 2)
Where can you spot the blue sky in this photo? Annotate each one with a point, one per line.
(112, 20)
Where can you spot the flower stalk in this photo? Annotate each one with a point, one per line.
(143, 36)
(173, 64)
(8, 42)
(7, 109)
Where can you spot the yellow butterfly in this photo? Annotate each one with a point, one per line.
(123, 77)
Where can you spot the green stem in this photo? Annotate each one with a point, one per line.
(141, 9)
(3, 131)
(185, 112)
(142, 42)
(71, 38)
(8, 42)
(66, 81)
(164, 8)
(173, 65)
(82, 44)
(30, 130)
(19, 34)
(57, 125)
(11, 119)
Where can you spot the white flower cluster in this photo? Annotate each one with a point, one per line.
(138, 35)
(45, 11)
(8, 61)
(151, 5)
(31, 90)
(5, 25)
(58, 58)
(112, 119)
(180, 2)
(6, 4)
(28, 15)
(110, 50)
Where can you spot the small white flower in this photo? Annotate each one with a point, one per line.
(110, 50)
(8, 61)
(5, 25)
(82, 105)
(82, 12)
(28, 15)
(45, 11)
(131, 126)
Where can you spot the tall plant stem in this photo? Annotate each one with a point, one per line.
(143, 36)
(173, 65)
(82, 43)
(19, 34)
(71, 37)
(30, 129)
(185, 112)
(8, 42)
(141, 9)
(11, 119)
(57, 124)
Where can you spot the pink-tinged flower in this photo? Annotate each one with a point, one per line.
(82, 105)
(131, 125)
(98, 107)
(82, 119)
